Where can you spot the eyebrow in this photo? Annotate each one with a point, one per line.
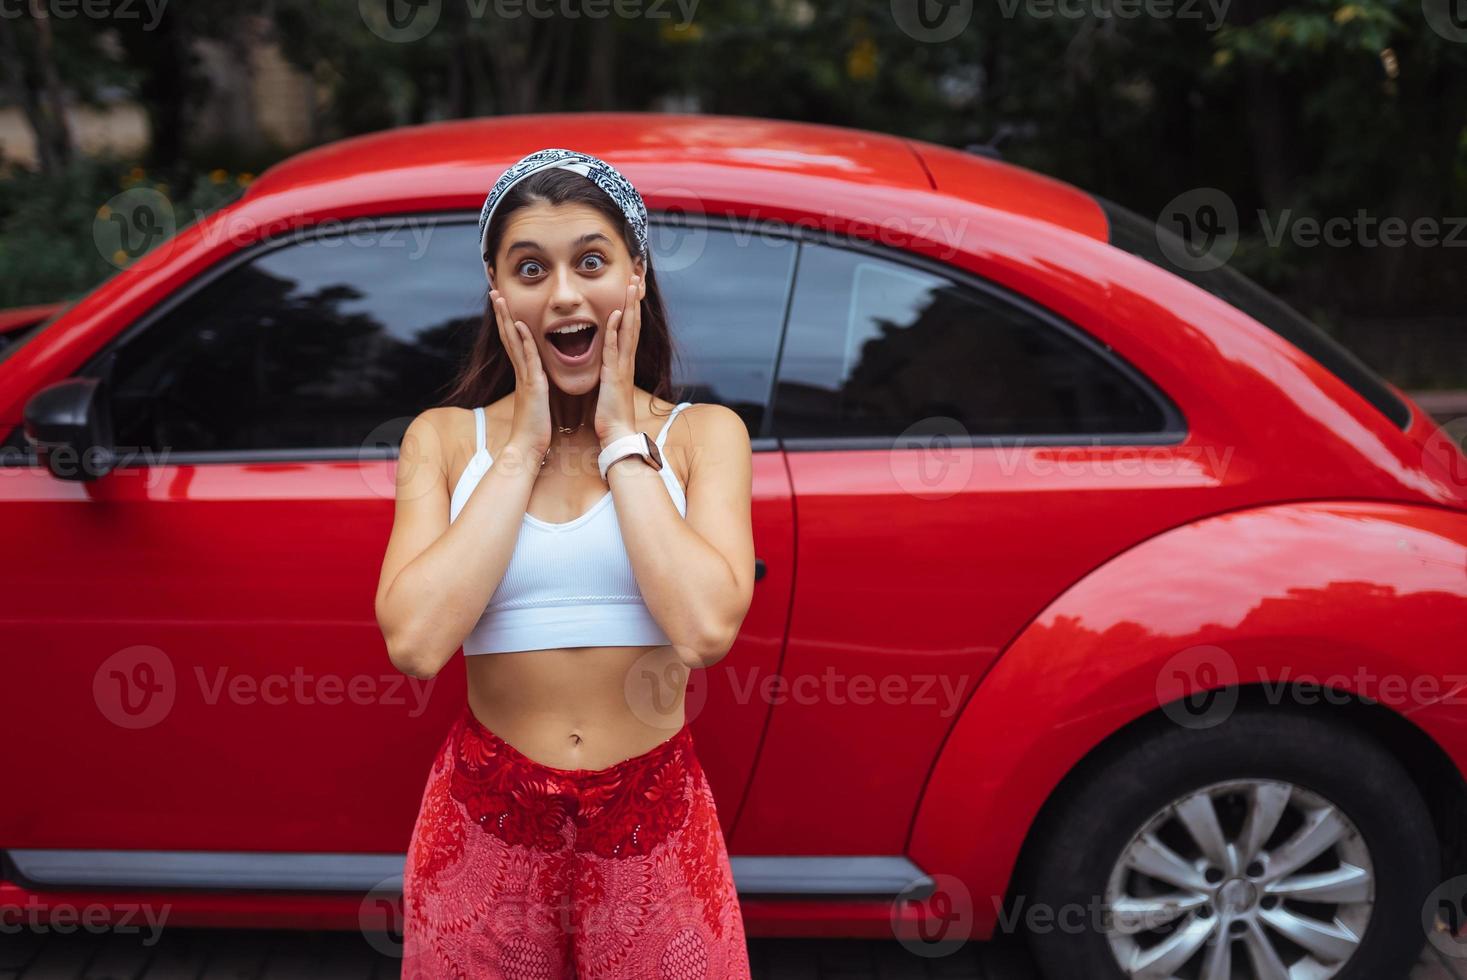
(590, 236)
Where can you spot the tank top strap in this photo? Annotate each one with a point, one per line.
(479, 430)
(662, 436)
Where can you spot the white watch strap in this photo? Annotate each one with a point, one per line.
(631, 445)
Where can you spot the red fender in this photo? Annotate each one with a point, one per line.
(1363, 596)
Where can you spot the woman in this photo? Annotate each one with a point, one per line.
(585, 567)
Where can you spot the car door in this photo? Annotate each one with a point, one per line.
(198, 627)
(948, 446)
(198, 634)
(726, 291)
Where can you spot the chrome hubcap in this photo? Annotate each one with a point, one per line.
(1249, 878)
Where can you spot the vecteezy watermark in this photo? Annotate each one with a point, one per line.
(132, 225)
(64, 918)
(1363, 230)
(380, 916)
(924, 459)
(942, 691)
(1444, 917)
(302, 230)
(1447, 17)
(933, 917)
(137, 687)
(1199, 687)
(655, 682)
(1198, 229)
(93, 462)
(1074, 918)
(1120, 10)
(932, 21)
(137, 228)
(1445, 452)
(405, 21)
(1102, 460)
(90, 9)
(898, 231)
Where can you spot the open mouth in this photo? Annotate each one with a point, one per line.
(573, 342)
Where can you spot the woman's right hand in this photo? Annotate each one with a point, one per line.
(531, 427)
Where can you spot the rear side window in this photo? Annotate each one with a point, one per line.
(1132, 233)
(876, 346)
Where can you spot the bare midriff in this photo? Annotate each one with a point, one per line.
(576, 707)
(579, 707)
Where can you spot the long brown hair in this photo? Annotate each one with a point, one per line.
(488, 373)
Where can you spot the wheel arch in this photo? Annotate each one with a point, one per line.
(1279, 594)
(1424, 761)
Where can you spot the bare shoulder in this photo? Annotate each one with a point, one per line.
(715, 434)
(445, 436)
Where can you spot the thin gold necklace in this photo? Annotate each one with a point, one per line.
(566, 429)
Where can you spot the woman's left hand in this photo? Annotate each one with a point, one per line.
(616, 409)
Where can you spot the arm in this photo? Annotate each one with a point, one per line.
(438, 576)
(696, 575)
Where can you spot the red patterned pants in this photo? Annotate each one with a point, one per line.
(518, 870)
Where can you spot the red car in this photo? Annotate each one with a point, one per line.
(1098, 599)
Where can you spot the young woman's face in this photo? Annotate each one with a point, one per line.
(559, 265)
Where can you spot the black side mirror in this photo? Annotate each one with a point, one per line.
(70, 425)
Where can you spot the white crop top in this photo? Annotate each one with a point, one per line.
(568, 584)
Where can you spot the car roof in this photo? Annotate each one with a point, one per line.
(461, 158)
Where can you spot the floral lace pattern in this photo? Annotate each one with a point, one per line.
(521, 870)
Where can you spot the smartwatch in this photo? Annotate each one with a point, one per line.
(636, 444)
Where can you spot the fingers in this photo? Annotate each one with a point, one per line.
(508, 335)
(531, 353)
(634, 322)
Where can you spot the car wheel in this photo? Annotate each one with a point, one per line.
(1274, 846)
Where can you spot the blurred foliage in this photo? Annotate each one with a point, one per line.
(1294, 108)
(49, 251)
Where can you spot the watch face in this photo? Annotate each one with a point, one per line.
(653, 451)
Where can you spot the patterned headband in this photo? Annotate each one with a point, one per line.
(598, 171)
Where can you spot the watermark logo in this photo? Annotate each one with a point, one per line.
(90, 9)
(132, 224)
(677, 245)
(933, 923)
(1198, 229)
(135, 687)
(400, 21)
(1446, 448)
(63, 918)
(1444, 917)
(413, 469)
(1447, 17)
(1198, 687)
(1120, 10)
(380, 917)
(653, 683)
(927, 460)
(932, 21)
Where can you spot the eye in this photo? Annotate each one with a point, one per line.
(600, 261)
(521, 267)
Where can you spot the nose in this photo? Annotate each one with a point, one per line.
(565, 296)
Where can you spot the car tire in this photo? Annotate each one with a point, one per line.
(1091, 844)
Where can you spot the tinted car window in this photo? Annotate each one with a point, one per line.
(875, 346)
(725, 292)
(317, 343)
(314, 344)
(1133, 233)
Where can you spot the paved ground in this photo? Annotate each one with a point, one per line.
(218, 954)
